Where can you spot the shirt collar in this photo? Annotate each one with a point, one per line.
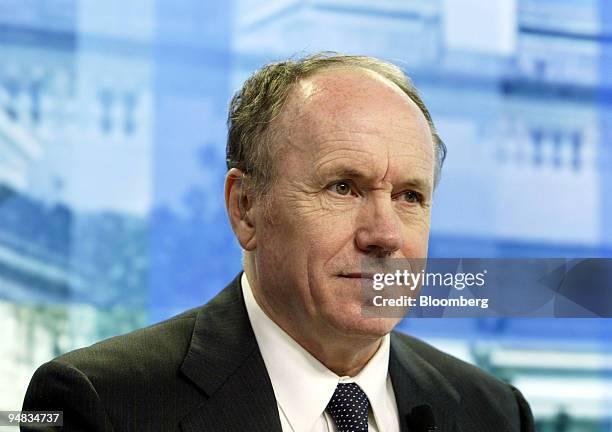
(302, 385)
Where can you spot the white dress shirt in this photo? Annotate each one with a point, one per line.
(303, 386)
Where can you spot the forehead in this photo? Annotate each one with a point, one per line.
(356, 114)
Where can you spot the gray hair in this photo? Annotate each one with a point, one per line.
(250, 143)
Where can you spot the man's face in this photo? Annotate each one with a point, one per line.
(354, 180)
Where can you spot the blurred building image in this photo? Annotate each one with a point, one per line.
(112, 141)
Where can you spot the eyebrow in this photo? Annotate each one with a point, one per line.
(354, 173)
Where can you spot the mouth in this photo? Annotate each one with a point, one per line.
(358, 275)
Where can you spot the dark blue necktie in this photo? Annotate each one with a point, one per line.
(349, 408)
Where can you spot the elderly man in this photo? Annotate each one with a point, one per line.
(332, 159)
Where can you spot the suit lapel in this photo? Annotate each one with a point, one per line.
(224, 361)
(416, 382)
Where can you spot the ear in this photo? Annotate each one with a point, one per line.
(239, 205)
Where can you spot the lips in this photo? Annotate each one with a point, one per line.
(358, 275)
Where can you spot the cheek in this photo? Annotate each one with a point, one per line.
(416, 239)
(298, 239)
(330, 234)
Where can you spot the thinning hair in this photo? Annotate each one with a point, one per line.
(250, 141)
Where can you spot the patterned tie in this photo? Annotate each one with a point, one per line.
(349, 408)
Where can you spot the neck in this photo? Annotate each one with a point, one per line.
(344, 359)
(345, 355)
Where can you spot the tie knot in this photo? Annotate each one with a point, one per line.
(349, 408)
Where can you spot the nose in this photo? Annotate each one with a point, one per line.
(379, 230)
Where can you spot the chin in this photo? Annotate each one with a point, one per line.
(367, 328)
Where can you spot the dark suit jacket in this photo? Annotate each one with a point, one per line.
(203, 371)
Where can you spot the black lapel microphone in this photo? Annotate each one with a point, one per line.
(421, 419)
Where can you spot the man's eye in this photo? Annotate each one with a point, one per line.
(411, 197)
(341, 188)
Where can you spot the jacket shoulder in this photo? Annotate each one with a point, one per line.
(458, 372)
(483, 396)
(143, 351)
(130, 381)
